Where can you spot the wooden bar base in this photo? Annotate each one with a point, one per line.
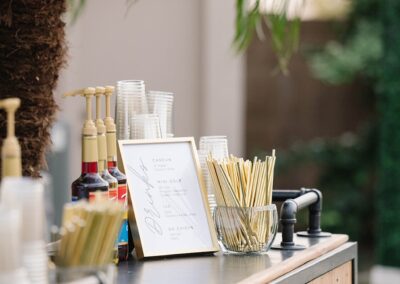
(339, 275)
(325, 260)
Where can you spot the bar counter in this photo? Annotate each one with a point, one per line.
(325, 260)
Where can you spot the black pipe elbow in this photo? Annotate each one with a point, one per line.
(289, 210)
(297, 200)
(316, 206)
(314, 215)
(288, 219)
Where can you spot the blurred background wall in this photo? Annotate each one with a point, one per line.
(176, 45)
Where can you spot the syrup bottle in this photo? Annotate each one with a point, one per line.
(11, 150)
(90, 181)
(123, 238)
(102, 163)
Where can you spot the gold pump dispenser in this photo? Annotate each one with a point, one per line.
(11, 150)
(89, 130)
(102, 147)
(101, 131)
(110, 126)
(90, 181)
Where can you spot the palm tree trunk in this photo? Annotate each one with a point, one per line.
(32, 50)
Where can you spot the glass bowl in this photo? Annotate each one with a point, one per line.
(246, 229)
(105, 274)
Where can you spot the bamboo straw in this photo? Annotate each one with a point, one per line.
(89, 233)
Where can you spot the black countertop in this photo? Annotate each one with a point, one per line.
(227, 268)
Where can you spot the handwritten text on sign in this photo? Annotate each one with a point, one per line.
(166, 196)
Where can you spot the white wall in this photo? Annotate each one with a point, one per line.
(181, 46)
(222, 80)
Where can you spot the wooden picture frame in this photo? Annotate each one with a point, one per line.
(168, 210)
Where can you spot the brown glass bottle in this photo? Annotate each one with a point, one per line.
(112, 184)
(88, 183)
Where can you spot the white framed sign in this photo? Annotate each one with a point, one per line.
(168, 209)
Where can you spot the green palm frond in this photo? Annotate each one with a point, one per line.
(75, 8)
(284, 33)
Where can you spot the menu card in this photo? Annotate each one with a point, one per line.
(169, 204)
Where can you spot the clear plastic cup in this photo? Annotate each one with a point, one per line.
(35, 261)
(131, 100)
(207, 179)
(16, 276)
(161, 103)
(100, 274)
(145, 126)
(217, 147)
(10, 240)
(27, 195)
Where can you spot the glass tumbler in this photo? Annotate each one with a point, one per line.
(246, 229)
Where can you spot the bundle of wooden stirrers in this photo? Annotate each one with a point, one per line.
(89, 232)
(242, 183)
(241, 189)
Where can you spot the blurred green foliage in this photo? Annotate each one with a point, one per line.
(284, 33)
(358, 50)
(370, 50)
(348, 164)
(347, 170)
(361, 53)
(388, 190)
(75, 8)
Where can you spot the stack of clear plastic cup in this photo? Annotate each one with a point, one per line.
(217, 147)
(145, 126)
(207, 179)
(131, 100)
(162, 103)
(27, 195)
(11, 269)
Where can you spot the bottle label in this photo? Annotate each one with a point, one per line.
(123, 236)
(113, 194)
(122, 197)
(123, 233)
(98, 195)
